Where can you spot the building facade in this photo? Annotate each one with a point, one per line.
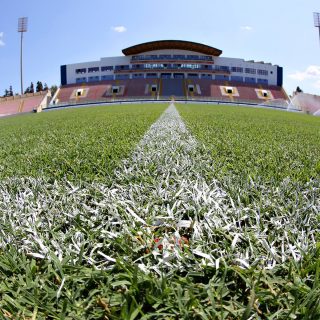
(172, 59)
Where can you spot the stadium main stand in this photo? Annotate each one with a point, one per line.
(26, 103)
(166, 68)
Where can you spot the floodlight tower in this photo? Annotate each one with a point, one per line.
(316, 17)
(22, 27)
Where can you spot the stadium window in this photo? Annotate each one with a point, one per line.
(151, 75)
(208, 58)
(122, 76)
(262, 81)
(179, 56)
(150, 57)
(237, 78)
(138, 75)
(222, 68)
(193, 57)
(237, 69)
(109, 77)
(138, 58)
(122, 67)
(155, 66)
(263, 72)
(165, 75)
(81, 80)
(92, 79)
(82, 70)
(93, 69)
(190, 66)
(165, 56)
(250, 70)
(250, 80)
(178, 75)
(107, 68)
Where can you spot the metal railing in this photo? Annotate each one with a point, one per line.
(183, 99)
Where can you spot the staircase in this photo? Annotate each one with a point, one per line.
(172, 87)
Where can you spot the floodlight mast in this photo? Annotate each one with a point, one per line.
(316, 17)
(22, 27)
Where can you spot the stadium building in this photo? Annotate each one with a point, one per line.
(167, 68)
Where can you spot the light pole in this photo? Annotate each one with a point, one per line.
(22, 27)
(316, 18)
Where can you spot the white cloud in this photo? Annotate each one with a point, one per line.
(1, 39)
(312, 72)
(119, 29)
(246, 28)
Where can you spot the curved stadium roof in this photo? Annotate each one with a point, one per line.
(171, 44)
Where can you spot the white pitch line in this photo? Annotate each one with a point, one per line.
(160, 193)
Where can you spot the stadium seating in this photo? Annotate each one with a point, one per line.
(172, 87)
(23, 104)
(240, 91)
(192, 88)
(142, 88)
(107, 90)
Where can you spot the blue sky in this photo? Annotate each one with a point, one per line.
(70, 31)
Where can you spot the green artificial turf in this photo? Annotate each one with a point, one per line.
(266, 161)
(254, 148)
(270, 145)
(76, 144)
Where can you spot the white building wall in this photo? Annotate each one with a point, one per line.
(234, 62)
(113, 61)
(125, 60)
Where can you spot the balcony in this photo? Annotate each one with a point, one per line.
(172, 69)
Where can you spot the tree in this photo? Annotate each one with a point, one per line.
(10, 92)
(30, 89)
(298, 90)
(45, 87)
(53, 90)
(39, 86)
